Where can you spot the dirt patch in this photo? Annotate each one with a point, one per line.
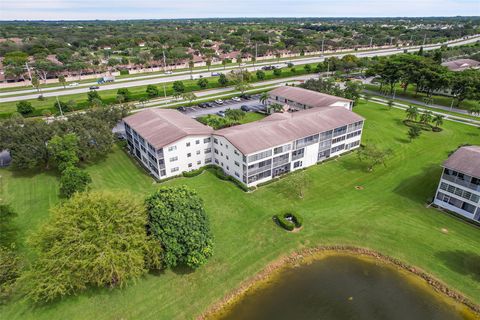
(296, 257)
(359, 188)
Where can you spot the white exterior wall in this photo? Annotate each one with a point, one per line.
(344, 104)
(472, 216)
(228, 160)
(181, 151)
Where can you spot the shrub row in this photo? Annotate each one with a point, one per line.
(219, 173)
(282, 220)
(423, 126)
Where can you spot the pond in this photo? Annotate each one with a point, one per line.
(344, 287)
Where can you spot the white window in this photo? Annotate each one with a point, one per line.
(172, 148)
(199, 162)
(189, 165)
(198, 151)
(206, 140)
(297, 164)
(189, 155)
(172, 159)
(174, 169)
(197, 142)
(188, 144)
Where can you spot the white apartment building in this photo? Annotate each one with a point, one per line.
(298, 99)
(282, 142)
(168, 142)
(459, 187)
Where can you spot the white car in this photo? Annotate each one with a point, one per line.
(73, 84)
(168, 72)
(236, 99)
(219, 101)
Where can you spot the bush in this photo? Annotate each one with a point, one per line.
(24, 108)
(193, 173)
(94, 239)
(176, 218)
(124, 72)
(73, 180)
(289, 220)
(277, 72)
(10, 268)
(421, 125)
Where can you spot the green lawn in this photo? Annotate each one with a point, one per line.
(388, 215)
(437, 99)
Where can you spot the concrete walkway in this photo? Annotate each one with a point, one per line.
(413, 101)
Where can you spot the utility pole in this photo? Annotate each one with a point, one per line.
(164, 61)
(323, 40)
(328, 67)
(371, 41)
(391, 38)
(59, 106)
(256, 54)
(424, 39)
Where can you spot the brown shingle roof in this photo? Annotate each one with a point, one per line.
(281, 128)
(160, 127)
(465, 160)
(306, 97)
(461, 64)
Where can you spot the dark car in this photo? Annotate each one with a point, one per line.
(245, 108)
(94, 87)
(202, 105)
(245, 96)
(182, 109)
(208, 105)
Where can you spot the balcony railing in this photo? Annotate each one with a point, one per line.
(461, 182)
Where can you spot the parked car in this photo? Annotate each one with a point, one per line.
(221, 113)
(73, 84)
(202, 105)
(216, 74)
(245, 96)
(209, 105)
(269, 68)
(219, 101)
(237, 99)
(182, 109)
(168, 72)
(94, 87)
(245, 108)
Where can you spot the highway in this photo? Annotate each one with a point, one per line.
(185, 75)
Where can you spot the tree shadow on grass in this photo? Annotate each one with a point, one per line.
(466, 263)
(421, 187)
(354, 164)
(182, 269)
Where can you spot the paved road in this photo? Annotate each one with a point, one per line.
(185, 75)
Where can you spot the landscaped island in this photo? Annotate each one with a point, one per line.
(388, 214)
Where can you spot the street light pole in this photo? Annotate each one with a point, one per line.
(59, 106)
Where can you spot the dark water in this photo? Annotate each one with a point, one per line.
(340, 288)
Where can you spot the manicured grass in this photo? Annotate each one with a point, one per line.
(437, 99)
(388, 215)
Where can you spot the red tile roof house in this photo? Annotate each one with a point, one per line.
(459, 187)
(168, 142)
(461, 64)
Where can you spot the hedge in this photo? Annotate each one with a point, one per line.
(421, 125)
(281, 219)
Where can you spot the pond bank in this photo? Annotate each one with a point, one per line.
(311, 254)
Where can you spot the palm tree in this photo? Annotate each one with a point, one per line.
(438, 120)
(264, 97)
(276, 107)
(412, 113)
(390, 104)
(426, 117)
(224, 63)
(191, 64)
(208, 63)
(278, 55)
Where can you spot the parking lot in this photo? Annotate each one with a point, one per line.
(253, 103)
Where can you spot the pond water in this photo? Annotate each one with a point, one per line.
(344, 287)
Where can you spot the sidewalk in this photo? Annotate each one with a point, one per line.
(410, 100)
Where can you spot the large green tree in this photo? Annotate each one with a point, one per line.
(176, 217)
(95, 239)
(64, 150)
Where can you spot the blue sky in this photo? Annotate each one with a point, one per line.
(158, 9)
